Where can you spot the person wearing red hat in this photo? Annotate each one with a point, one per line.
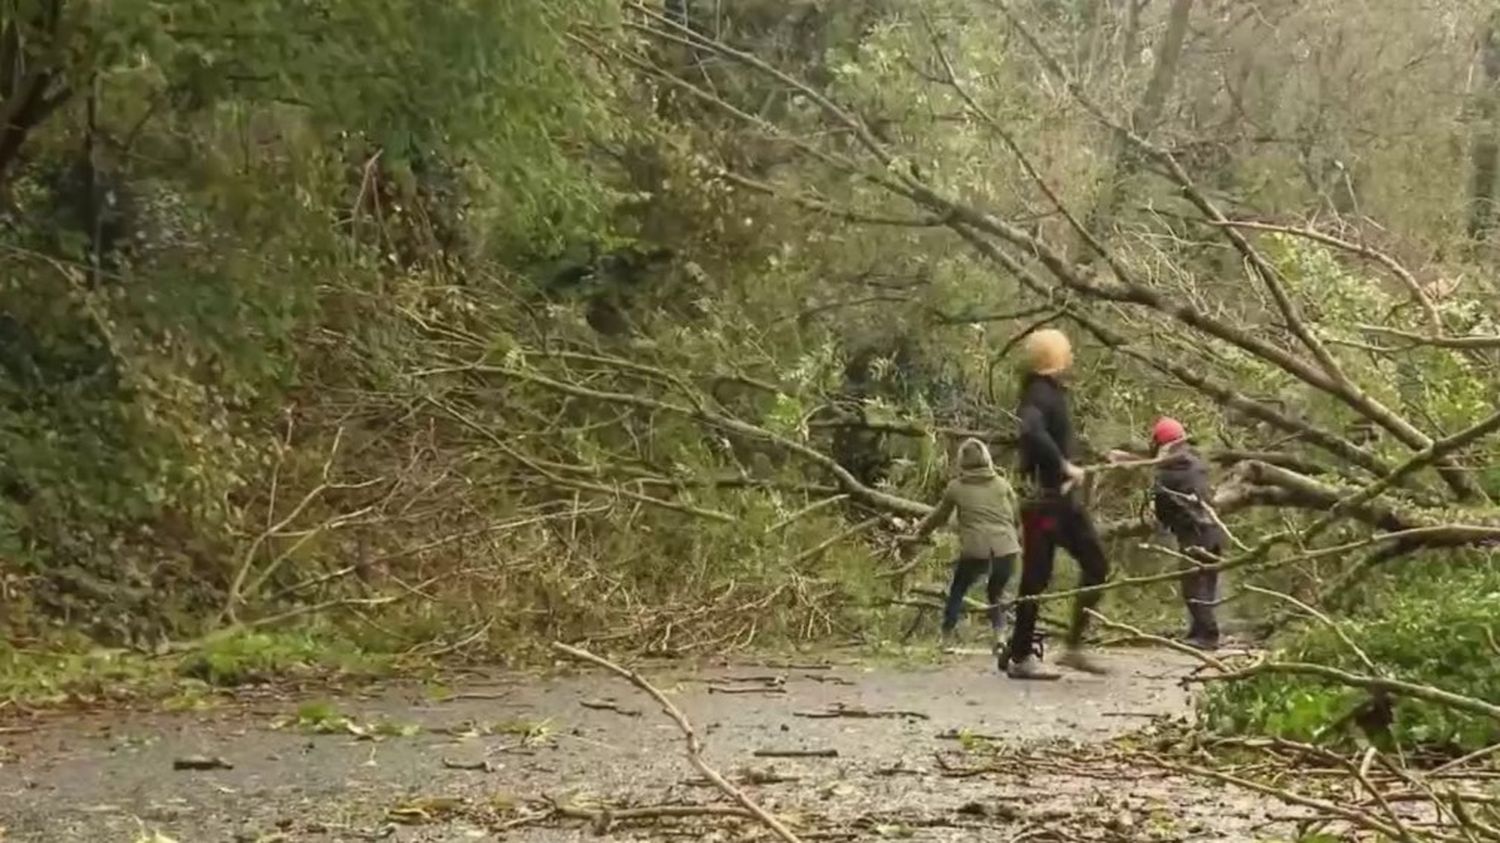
(1183, 499)
(1167, 431)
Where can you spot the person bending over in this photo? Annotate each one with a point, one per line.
(986, 507)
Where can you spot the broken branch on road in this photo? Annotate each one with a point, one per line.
(855, 712)
(609, 705)
(796, 753)
(694, 746)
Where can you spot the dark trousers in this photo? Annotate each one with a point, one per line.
(1200, 592)
(1046, 525)
(965, 573)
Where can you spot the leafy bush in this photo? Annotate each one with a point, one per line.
(143, 392)
(1434, 622)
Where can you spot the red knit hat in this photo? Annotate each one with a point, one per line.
(1167, 430)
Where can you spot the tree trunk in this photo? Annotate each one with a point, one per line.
(1127, 160)
(1130, 40)
(1091, 24)
(1164, 76)
(1485, 153)
(31, 88)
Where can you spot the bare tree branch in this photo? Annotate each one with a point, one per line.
(1331, 378)
(694, 745)
(1401, 273)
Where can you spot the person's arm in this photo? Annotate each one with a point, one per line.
(935, 519)
(1045, 452)
(1203, 496)
(1039, 443)
(1009, 493)
(1128, 453)
(1006, 490)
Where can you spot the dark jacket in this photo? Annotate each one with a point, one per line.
(985, 503)
(1180, 492)
(1046, 440)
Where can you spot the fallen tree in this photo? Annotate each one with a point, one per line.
(1111, 290)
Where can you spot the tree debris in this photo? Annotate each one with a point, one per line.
(860, 713)
(772, 690)
(796, 753)
(609, 705)
(481, 765)
(694, 747)
(201, 762)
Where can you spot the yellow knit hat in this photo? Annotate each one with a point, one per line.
(1048, 351)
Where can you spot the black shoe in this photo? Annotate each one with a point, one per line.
(1200, 639)
(1206, 643)
(1007, 658)
(1002, 655)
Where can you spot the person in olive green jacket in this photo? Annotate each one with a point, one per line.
(986, 506)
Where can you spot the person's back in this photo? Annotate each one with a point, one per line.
(1184, 505)
(1046, 440)
(1182, 497)
(986, 508)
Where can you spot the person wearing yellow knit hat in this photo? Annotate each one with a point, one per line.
(1051, 515)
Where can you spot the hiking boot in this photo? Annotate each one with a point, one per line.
(1031, 668)
(1077, 659)
(1201, 637)
(1001, 651)
(948, 641)
(1205, 643)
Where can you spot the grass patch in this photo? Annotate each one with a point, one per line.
(72, 673)
(250, 657)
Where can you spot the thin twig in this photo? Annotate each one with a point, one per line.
(1359, 818)
(819, 548)
(1476, 342)
(694, 746)
(1401, 273)
(1324, 619)
(806, 511)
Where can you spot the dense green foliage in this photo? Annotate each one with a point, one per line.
(1436, 625)
(457, 328)
(218, 191)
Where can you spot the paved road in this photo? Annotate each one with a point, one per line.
(483, 764)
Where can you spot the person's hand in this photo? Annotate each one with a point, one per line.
(908, 547)
(1072, 476)
(1117, 456)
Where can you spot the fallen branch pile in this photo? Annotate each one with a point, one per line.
(1370, 790)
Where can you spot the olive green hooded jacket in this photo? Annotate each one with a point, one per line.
(986, 506)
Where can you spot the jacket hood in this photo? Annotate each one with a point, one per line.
(974, 460)
(1174, 450)
(1178, 456)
